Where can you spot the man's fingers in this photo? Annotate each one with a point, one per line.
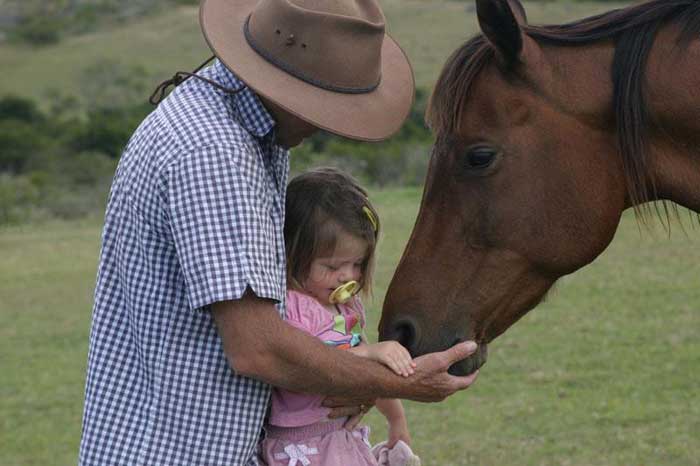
(466, 381)
(344, 411)
(459, 352)
(353, 421)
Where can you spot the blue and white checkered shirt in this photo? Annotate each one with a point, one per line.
(195, 216)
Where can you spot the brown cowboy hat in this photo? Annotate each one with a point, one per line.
(328, 62)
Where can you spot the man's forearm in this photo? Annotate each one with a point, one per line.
(259, 344)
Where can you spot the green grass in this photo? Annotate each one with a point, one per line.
(157, 46)
(603, 373)
(47, 275)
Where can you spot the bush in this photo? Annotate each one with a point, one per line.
(391, 163)
(21, 109)
(108, 129)
(88, 169)
(61, 163)
(73, 202)
(20, 142)
(42, 173)
(39, 30)
(17, 196)
(401, 160)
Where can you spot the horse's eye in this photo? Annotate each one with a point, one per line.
(480, 157)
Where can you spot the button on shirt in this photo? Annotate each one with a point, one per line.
(195, 216)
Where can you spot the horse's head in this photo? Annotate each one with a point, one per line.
(524, 186)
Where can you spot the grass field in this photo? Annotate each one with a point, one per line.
(156, 47)
(603, 373)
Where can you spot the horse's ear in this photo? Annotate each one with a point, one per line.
(500, 22)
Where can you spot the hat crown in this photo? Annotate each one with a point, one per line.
(334, 44)
(367, 10)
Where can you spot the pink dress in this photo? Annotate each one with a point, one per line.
(299, 431)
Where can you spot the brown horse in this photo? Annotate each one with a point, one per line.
(544, 135)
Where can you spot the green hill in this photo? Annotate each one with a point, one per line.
(151, 49)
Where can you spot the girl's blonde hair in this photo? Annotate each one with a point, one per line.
(320, 204)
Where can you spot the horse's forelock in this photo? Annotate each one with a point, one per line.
(449, 97)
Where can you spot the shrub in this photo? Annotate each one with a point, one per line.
(74, 202)
(19, 108)
(109, 129)
(17, 196)
(19, 143)
(39, 30)
(88, 169)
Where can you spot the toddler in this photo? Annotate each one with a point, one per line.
(331, 232)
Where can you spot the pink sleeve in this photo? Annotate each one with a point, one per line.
(300, 312)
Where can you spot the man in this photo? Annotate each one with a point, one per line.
(187, 330)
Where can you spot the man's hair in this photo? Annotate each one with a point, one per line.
(320, 204)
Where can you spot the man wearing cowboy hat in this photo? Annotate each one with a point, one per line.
(187, 330)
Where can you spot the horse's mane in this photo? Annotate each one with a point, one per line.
(633, 29)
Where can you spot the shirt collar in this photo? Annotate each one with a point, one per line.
(252, 114)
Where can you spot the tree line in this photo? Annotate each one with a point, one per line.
(59, 161)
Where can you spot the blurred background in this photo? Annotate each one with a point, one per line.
(605, 372)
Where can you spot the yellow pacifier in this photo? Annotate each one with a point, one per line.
(344, 292)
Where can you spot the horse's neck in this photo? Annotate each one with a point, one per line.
(582, 84)
(673, 84)
(676, 168)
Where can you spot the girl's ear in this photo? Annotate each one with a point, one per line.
(500, 22)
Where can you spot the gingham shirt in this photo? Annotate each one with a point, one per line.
(195, 216)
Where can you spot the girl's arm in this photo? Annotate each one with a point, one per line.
(392, 409)
(360, 350)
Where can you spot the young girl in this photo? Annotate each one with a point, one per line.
(331, 234)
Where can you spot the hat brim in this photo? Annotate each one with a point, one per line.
(371, 116)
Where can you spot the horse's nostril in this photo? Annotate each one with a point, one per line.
(406, 332)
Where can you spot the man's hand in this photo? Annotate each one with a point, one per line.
(354, 413)
(429, 383)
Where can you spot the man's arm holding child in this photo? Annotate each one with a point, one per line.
(259, 344)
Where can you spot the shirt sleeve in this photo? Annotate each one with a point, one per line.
(302, 312)
(219, 204)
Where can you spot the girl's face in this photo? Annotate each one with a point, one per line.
(345, 264)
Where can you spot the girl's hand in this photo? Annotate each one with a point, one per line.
(392, 355)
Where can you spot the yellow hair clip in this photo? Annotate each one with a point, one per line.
(371, 217)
